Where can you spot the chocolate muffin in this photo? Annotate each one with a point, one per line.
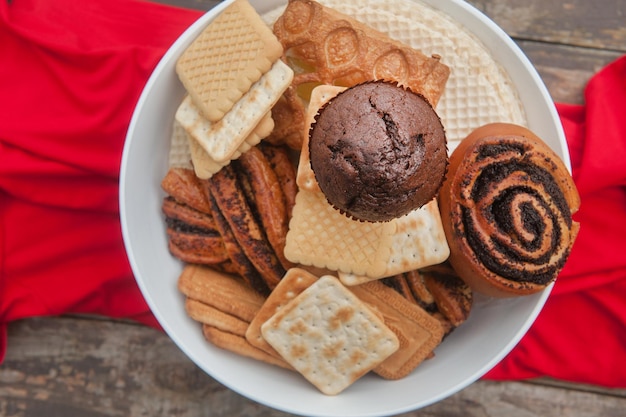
(378, 151)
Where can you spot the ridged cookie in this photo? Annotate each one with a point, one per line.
(226, 293)
(418, 332)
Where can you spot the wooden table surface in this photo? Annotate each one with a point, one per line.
(94, 367)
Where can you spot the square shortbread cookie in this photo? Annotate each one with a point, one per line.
(323, 237)
(230, 54)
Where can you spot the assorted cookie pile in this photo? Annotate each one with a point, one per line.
(334, 279)
(237, 220)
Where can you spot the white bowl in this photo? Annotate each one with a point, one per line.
(494, 326)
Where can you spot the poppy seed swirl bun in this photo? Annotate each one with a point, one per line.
(506, 207)
(378, 151)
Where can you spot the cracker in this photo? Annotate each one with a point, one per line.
(321, 236)
(226, 293)
(418, 332)
(293, 283)
(328, 335)
(228, 56)
(417, 242)
(206, 314)
(239, 345)
(204, 166)
(222, 139)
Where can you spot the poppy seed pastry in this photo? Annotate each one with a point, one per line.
(378, 151)
(507, 206)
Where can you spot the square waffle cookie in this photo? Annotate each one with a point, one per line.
(236, 49)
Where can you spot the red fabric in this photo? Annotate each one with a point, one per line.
(70, 76)
(580, 335)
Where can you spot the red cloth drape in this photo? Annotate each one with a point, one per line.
(580, 335)
(70, 75)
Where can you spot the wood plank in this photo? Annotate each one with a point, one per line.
(567, 42)
(592, 24)
(95, 368)
(523, 399)
(564, 69)
(191, 4)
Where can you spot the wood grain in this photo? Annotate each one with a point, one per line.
(565, 69)
(76, 366)
(590, 24)
(567, 41)
(191, 4)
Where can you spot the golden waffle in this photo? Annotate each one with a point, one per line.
(329, 335)
(179, 156)
(328, 47)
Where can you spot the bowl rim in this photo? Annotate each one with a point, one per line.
(474, 20)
